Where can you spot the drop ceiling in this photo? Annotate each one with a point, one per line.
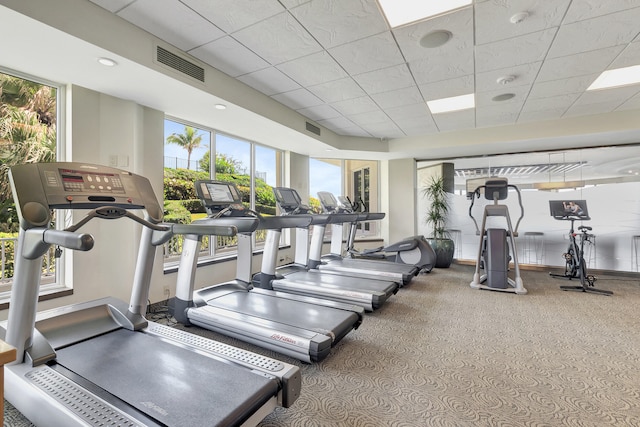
(339, 65)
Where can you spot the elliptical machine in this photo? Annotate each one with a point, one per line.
(414, 250)
(497, 245)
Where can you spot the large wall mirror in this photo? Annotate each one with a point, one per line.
(608, 178)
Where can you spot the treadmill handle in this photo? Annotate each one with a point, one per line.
(68, 239)
(204, 230)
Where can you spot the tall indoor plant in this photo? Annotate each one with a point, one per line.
(437, 218)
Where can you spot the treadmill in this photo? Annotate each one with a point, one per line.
(101, 362)
(302, 327)
(333, 263)
(369, 293)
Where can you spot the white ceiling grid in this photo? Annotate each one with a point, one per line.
(338, 63)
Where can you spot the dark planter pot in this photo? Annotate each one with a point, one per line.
(444, 249)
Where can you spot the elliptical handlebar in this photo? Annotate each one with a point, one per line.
(476, 193)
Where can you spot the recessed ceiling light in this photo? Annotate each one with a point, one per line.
(220, 107)
(617, 77)
(503, 97)
(400, 12)
(455, 103)
(107, 62)
(435, 39)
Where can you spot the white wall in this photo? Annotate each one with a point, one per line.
(401, 196)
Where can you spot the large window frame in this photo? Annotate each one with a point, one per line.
(53, 279)
(226, 247)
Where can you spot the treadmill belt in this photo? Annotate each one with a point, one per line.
(175, 386)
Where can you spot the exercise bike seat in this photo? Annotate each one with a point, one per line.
(584, 227)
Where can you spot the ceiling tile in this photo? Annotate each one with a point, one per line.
(549, 113)
(596, 33)
(369, 117)
(297, 99)
(628, 57)
(278, 39)
(167, 19)
(552, 102)
(385, 79)
(579, 64)
(458, 23)
(586, 9)
(337, 90)
(289, 4)
(418, 126)
(442, 67)
(589, 109)
(336, 22)
(384, 130)
(319, 112)
(372, 53)
(417, 111)
(492, 18)
(519, 50)
(111, 5)
(550, 88)
(631, 104)
(465, 119)
(486, 98)
(269, 81)
(448, 88)
(618, 94)
(522, 74)
(234, 15)
(396, 98)
(229, 56)
(499, 115)
(363, 104)
(313, 69)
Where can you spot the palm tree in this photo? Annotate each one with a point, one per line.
(189, 140)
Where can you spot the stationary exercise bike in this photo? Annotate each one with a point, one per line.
(497, 245)
(575, 265)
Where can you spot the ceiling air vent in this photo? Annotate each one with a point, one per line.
(313, 129)
(179, 64)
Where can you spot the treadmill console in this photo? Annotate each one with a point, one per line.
(289, 201)
(329, 202)
(40, 187)
(217, 196)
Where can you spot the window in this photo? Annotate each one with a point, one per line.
(360, 178)
(254, 169)
(28, 134)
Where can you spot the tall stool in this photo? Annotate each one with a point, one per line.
(456, 236)
(533, 247)
(635, 244)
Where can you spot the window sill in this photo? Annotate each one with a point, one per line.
(51, 292)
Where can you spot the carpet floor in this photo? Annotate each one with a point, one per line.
(442, 354)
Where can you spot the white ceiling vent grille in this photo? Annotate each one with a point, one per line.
(313, 129)
(172, 60)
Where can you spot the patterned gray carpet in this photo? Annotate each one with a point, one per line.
(442, 354)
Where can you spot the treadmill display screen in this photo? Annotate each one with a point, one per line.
(88, 182)
(288, 198)
(327, 200)
(221, 193)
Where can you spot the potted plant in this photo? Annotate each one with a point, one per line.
(436, 217)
